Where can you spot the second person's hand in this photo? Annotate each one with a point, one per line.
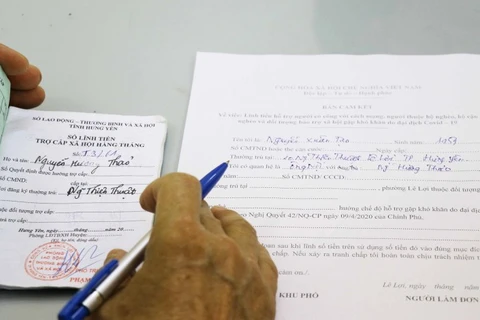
(24, 77)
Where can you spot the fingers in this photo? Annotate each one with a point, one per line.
(28, 80)
(27, 99)
(24, 78)
(210, 223)
(118, 254)
(239, 230)
(177, 233)
(259, 299)
(25, 90)
(114, 254)
(268, 270)
(12, 62)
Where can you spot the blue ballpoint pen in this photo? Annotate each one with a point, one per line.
(107, 279)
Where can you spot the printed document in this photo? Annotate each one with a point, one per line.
(69, 192)
(361, 175)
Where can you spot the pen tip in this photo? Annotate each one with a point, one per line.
(227, 162)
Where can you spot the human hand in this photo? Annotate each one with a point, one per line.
(199, 264)
(24, 77)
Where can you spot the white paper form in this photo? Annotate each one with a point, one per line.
(69, 192)
(360, 173)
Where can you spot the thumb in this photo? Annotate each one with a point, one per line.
(12, 62)
(118, 254)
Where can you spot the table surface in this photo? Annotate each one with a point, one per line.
(137, 57)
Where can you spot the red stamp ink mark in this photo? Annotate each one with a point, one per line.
(52, 261)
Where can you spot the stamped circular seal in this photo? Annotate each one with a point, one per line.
(52, 261)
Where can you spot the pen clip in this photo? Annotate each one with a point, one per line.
(74, 305)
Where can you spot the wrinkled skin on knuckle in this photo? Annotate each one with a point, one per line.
(273, 268)
(270, 264)
(210, 220)
(178, 247)
(257, 299)
(241, 226)
(229, 262)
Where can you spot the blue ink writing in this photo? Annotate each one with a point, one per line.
(74, 259)
(447, 140)
(408, 167)
(306, 166)
(346, 157)
(280, 140)
(437, 168)
(96, 153)
(380, 157)
(321, 139)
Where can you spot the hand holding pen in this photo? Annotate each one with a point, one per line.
(200, 263)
